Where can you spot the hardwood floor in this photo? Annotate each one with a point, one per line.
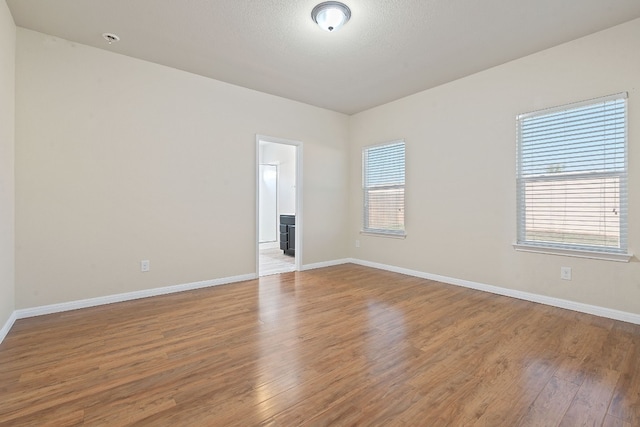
(345, 345)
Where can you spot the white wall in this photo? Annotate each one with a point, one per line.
(285, 157)
(7, 186)
(460, 200)
(267, 203)
(119, 160)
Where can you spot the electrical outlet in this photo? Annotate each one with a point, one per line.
(144, 265)
(357, 243)
(565, 273)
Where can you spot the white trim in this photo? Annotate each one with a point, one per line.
(606, 256)
(299, 192)
(299, 216)
(326, 264)
(7, 326)
(110, 299)
(527, 296)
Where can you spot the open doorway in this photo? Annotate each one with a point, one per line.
(278, 212)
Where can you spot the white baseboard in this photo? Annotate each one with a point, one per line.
(527, 296)
(7, 326)
(326, 264)
(110, 299)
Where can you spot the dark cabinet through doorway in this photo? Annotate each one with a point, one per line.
(288, 234)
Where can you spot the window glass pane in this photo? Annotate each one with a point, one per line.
(385, 165)
(572, 176)
(385, 209)
(384, 178)
(577, 140)
(577, 211)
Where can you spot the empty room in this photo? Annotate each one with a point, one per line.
(296, 212)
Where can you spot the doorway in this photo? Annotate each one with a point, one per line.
(278, 206)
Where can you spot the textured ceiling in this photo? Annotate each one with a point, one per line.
(389, 49)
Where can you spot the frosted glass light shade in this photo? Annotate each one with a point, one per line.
(331, 15)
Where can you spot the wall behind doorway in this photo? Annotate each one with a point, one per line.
(268, 202)
(284, 156)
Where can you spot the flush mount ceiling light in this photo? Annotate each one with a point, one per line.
(331, 15)
(110, 37)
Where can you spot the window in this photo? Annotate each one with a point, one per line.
(383, 186)
(572, 178)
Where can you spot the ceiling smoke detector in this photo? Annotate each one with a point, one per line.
(110, 37)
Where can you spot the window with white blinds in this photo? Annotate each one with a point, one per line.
(383, 186)
(572, 176)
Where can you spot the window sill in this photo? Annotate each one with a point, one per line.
(389, 235)
(573, 252)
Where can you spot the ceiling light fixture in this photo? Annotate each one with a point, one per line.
(110, 37)
(331, 15)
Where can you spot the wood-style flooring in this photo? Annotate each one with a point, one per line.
(345, 345)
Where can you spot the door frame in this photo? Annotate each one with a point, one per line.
(299, 218)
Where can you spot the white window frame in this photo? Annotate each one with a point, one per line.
(366, 226)
(594, 251)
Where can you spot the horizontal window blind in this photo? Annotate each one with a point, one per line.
(383, 185)
(572, 176)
